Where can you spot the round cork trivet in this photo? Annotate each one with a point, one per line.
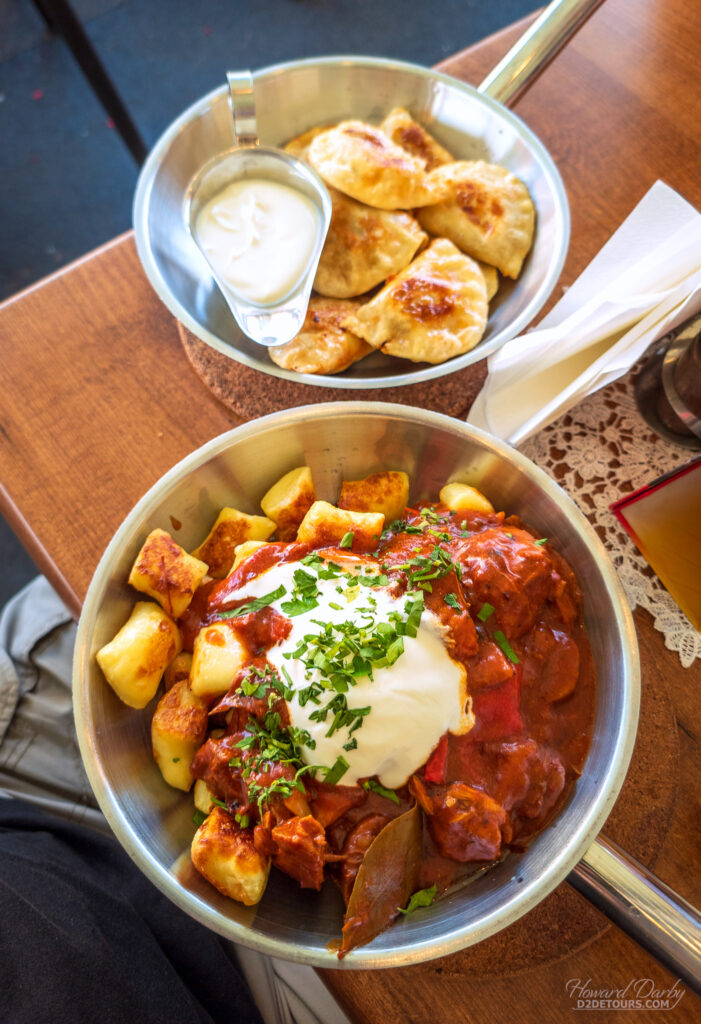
(250, 393)
(565, 921)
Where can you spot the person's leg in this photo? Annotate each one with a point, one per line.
(40, 764)
(39, 756)
(86, 937)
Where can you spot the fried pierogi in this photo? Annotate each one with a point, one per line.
(432, 310)
(491, 278)
(299, 146)
(361, 161)
(364, 246)
(486, 211)
(323, 345)
(402, 129)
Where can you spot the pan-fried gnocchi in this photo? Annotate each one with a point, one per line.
(165, 571)
(135, 660)
(226, 855)
(200, 669)
(396, 191)
(342, 692)
(230, 529)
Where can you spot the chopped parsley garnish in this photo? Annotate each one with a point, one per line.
(433, 566)
(304, 595)
(485, 611)
(543, 540)
(373, 580)
(258, 681)
(219, 803)
(176, 760)
(324, 570)
(336, 773)
(199, 817)
(430, 516)
(256, 604)
(270, 743)
(375, 787)
(347, 540)
(506, 647)
(401, 526)
(422, 898)
(451, 599)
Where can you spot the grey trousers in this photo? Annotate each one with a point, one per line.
(40, 763)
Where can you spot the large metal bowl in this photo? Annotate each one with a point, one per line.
(290, 98)
(154, 822)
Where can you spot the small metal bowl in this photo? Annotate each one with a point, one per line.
(154, 822)
(290, 98)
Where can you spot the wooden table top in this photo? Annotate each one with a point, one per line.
(99, 401)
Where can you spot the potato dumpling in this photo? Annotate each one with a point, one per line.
(225, 855)
(463, 498)
(230, 529)
(178, 729)
(217, 656)
(244, 550)
(178, 669)
(165, 571)
(288, 501)
(326, 526)
(134, 661)
(202, 796)
(386, 492)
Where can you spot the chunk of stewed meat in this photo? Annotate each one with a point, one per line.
(468, 825)
(527, 777)
(554, 663)
(301, 850)
(509, 571)
(490, 667)
(329, 803)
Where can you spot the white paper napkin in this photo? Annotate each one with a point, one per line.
(644, 282)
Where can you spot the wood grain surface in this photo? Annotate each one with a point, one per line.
(99, 400)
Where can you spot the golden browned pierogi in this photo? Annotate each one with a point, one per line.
(364, 246)
(361, 161)
(401, 128)
(323, 345)
(434, 309)
(486, 211)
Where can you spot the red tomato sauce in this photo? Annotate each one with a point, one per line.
(510, 606)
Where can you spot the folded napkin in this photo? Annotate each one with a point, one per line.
(644, 282)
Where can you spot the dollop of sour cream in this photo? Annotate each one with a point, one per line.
(412, 702)
(258, 235)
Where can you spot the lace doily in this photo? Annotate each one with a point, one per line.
(598, 452)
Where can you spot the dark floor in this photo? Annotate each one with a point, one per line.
(67, 177)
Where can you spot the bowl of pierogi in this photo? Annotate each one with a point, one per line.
(449, 229)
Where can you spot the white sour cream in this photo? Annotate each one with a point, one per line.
(413, 702)
(258, 235)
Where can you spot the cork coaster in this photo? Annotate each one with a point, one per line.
(565, 921)
(250, 393)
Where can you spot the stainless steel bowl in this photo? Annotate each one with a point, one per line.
(290, 98)
(154, 822)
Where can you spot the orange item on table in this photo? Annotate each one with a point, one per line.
(664, 520)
